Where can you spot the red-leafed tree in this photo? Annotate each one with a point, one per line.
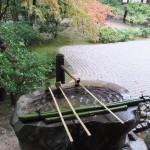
(85, 15)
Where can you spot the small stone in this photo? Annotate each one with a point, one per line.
(147, 105)
(148, 114)
(143, 114)
(147, 109)
(142, 120)
(143, 107)
(144, 124)
(132, 136)
(138, 126)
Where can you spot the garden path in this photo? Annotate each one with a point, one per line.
(116, 23)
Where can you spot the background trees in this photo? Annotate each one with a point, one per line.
(23, 70)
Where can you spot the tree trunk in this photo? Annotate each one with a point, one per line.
(3, 10)
(0, 9)
(34, 2)
(2, 94)
(125, 15)
(13, 97)
(14, 11)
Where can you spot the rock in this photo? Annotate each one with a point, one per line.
(138, 126)
(147, 141)
(142, 120)
(132, 136)
(143, 107)
(148, 115)
(107, 133)
(144, 124)
(138, 145)
(140, 106)
(147, 105)
(143, 114)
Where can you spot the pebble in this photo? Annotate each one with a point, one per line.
(144, 124)
(148, 105)
(148, 115)
(143, 114)
(142, 120)
(143, 107)
(138, 126)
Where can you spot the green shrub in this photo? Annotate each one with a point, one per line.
(30, 23)
(20, 34)
(137, 19)
(23, 71)
(114, 2)
(115, 9)
(138, 8)
(7, 32)
(28, 34)
(138, 13)
(108, 35)
(145, 32)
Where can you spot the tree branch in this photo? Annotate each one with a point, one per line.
(5, 9)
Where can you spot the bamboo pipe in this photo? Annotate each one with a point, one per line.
(53, 114)
(101, 103)
(73, 77)
(36, 117)
(61, 117)
(84, 114)
(70, 74)
(77, 116)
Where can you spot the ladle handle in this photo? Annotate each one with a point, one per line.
(70, 74)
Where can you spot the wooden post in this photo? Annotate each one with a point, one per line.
(60, 74)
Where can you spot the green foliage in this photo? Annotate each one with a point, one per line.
(138, 13)
(145, 32)
(23, 71)
(19, 35)
(112, 2)
(28, 34)
(52, 27)
(7, 32)
(138, 8)
(115, 9)
(110, 35)
(30, 23)
(137, 19)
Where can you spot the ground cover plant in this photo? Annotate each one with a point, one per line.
(138, 13)
(22, 71)
(112, 35)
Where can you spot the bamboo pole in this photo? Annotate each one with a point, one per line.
(77, 116)
(101, 103)
(84, 114)
(61, 117)
(36, 117)
(43, 115)
(73, 77)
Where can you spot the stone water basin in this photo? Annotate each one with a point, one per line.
(107, 132)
